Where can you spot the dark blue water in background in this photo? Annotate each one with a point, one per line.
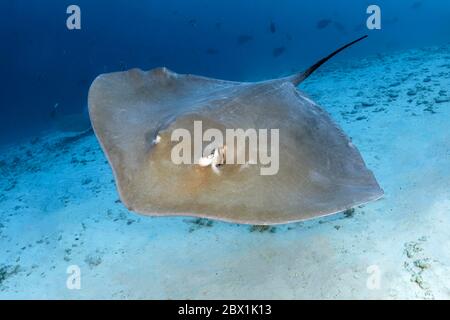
(43, 63)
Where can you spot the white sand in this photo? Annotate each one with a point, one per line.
(58, 208)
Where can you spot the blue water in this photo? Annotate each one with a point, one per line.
(43, 63)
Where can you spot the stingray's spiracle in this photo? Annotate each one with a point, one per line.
(215, 159)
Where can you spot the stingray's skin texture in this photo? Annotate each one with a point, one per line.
(320, 171)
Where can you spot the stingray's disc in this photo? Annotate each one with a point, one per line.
(320, 171)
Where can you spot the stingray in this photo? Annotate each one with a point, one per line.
(134, 114)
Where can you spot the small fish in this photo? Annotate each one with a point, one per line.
(218, 25)
(244, 38)
(339, 27)
(278, 51)
(392, 20)
(212, 51)
(54, 110)
(193, 22)
(123, 65)
(416, 5)
(322, 24)
(272, 27)
(391, 44)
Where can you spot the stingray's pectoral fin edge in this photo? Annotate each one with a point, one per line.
(296, 79)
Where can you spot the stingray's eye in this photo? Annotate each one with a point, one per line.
(157, 139)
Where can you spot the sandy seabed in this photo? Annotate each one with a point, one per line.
(59, 207)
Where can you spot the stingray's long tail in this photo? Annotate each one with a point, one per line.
(296, 79)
